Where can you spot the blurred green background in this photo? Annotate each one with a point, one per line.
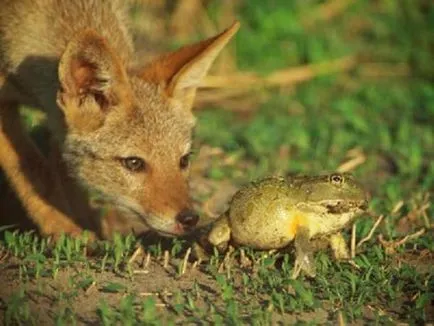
(379, 112)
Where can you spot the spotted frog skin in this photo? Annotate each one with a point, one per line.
(273, 212)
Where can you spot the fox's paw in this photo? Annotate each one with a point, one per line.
(84, 235)
(58, 229)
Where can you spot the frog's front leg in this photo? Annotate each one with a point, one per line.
(303, 253)
(220, 234)
(339, 246)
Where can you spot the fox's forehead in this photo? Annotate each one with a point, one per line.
(156, 124)
(153, 107)
(151, 102)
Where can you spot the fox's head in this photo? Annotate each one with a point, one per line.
(128, 130)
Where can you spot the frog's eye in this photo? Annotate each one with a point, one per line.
(336, 179)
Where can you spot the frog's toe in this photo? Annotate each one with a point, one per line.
(304, 263)
(222, 247)
(199, 252)
(309, 269)
(296, 271)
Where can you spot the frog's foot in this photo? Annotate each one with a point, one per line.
(339, 247)
(244, 260)
(304, 254)
(203, 249)
(199, 252)
(304, 263)
(220, 234)
(223, 247)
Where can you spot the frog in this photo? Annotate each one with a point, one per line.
(273, 212)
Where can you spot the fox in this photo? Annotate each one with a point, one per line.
(120, 127)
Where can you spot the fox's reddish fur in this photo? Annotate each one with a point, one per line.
(74, 60)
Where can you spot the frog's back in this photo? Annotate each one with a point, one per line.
(261, 214)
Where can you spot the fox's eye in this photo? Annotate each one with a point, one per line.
(336, 179)
(133, 163)
(184, 162)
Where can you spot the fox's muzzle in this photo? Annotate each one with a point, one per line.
(167, 204)
(188, 219)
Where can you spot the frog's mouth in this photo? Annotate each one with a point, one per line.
(345, 206)
(336, 207)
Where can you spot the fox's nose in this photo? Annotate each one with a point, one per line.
(187, 218)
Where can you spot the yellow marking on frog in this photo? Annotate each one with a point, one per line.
(298, 219)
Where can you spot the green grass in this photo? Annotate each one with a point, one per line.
(380, 287)
(388, 118)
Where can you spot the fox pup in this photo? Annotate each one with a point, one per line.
(119, 128)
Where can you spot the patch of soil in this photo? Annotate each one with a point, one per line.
(47, 296)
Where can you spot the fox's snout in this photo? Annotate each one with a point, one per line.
(188, 219)
(166, 203)
(169, 224)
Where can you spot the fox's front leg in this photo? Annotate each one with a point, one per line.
(28, 172)
(84, 214)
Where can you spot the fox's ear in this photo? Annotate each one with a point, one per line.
(181, 72)
(89, 67)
